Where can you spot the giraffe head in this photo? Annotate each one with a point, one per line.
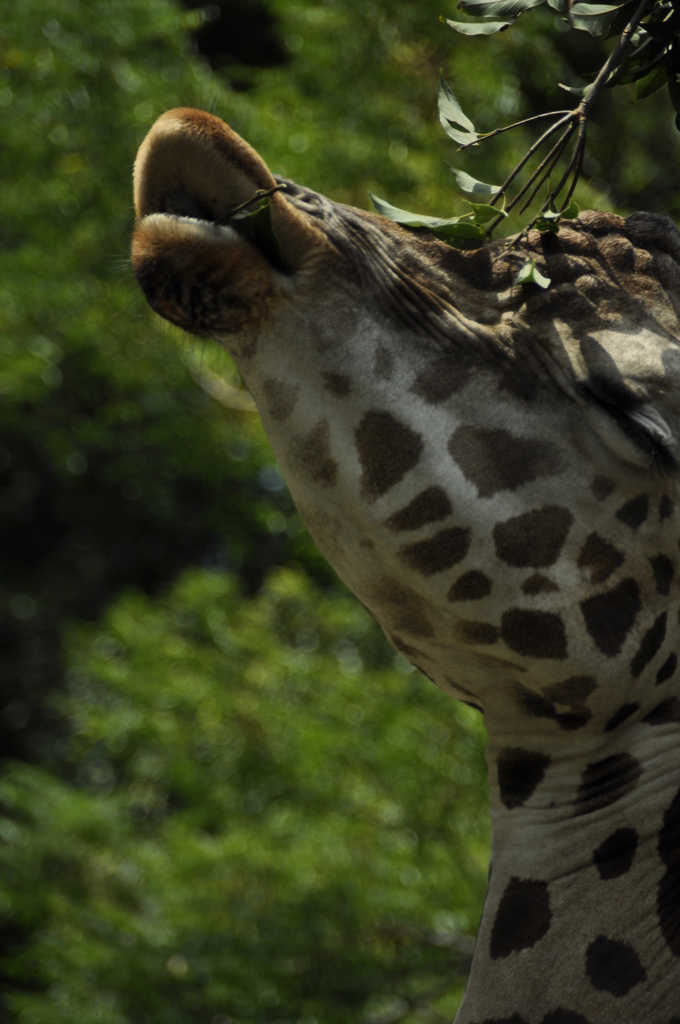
(492, 469)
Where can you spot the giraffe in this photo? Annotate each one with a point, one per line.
(492, 469)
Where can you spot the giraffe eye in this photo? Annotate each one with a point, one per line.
(654, 426)
(644, 435)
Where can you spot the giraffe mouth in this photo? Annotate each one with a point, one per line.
(212, 229)
(182, 203)
(197, 174)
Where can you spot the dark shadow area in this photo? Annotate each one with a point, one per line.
(239, 32)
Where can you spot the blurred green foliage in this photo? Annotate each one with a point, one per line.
(261, 822)
(210, 810)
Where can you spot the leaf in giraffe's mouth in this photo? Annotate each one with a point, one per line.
(254, 225)
(257, 227)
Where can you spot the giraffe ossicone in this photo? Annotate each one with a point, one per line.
(492, 468)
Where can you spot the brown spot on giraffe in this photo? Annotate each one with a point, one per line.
(495, 460)
(609, 617)
(474, 702)
(407, 609)
(668, 893)
(311, 455)
(469, 631)
(634, 513)
(614, 857)
(430, 506)
(522, 919)
(572, 692)
(606, 781)
(520, 772)
(649, 646)
(280, 397)
(537, 583)
(446, 548)
(599, 557)
(536, 705)
(471, 586)
(601, 488)
(387, 450)
(407, 649)
(533, 633)
(533, 539)
(667, 670)
(621, 716)
(613, 966)
(439, 380)
(666, 508)
(664, 713)
(663, 570)
(339, 384)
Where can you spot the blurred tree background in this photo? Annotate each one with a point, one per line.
(223, 797)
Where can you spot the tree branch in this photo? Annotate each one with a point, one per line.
(571, 119)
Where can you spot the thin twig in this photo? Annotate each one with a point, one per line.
(614, 58)
(260, 194)
(530, 152)
(577, 163)
(517, 124)
(561, 143)
(551, 161)
(579, 117)
(558, 149)
(575, 160)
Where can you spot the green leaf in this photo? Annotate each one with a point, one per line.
(530, 275)
(469, 184)
(575, 90)
(593, 18)
(450, 113)
(462, 229)
(463, 235)
(465, 243)
(460, 232)
(482, 213)
(584, 10)
(571, 211)
(257, 227)
(411, 220)
(559, 5)
(480, 28)
(650, 84)
(548, 223)
(641, 41)
(624, 76)
(497, 8)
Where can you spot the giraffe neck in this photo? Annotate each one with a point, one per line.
(494, 472)
(581, 923)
